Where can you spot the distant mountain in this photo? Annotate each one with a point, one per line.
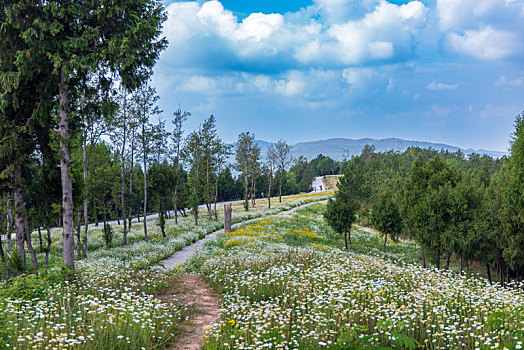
(338, 148)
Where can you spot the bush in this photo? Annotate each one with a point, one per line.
(108, 235)
(25, 287)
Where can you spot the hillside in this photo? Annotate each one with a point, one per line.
(338, 148)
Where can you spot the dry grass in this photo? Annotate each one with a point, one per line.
(331, 181)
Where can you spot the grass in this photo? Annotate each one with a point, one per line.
(115, 301)
(288, 284)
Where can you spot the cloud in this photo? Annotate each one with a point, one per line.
(384, 33)
(504, 82)
(358, 76)
(455, 14)
(197, 83)
(437, 110)
(486, 43)
(380, 49)
(291, 87)
(210, 33)
(482, 29)
(434, 86)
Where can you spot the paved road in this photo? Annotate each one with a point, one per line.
(187, 252)
(318, 185)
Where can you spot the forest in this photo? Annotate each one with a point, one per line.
(456, 207)
(82, 139)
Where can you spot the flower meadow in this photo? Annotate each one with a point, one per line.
(115, 300)
(288, 285)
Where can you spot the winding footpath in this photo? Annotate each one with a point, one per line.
(197, 294)
(181, 256)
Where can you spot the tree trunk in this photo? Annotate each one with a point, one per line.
(48, 235)
(349, 235)
(501, 269)
(9, 225)
(488, 271)
(448, 260)
(40, 243)
(67, 183)
(85, 160)
(145, 194)
(176, 201)
(227, 217)
(208, 196)
(253, 197)
(216, 198)
(346, 241)
(122, 195)
(195, 204)
(2, 255)
(280, 191)
(423, 258)
(385, 240)
(437, 253)
(30, 245)
(96, 215)
(358, 219)
(108, 244)
(269, 191)
(1, 225)
(131, 170)
(78, 230)
(48, 250)
(161, 217)
(19, 217)
(246, 203)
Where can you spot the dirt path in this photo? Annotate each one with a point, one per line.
(193, 291)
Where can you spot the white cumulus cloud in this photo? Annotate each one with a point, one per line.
(434, 86)
(384, 31)
(486, 43)
(483, 29)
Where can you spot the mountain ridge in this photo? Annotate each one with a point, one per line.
(340, 148)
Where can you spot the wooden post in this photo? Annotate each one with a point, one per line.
(227, 217)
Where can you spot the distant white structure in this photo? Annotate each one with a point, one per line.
(318, 185)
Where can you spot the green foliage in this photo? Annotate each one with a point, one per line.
(513, 199)
(386, 215)
(429, 197)
(29, 287)
(108, 235)
(354, 340)
(340, 214)
(14, 261)
(507, 322)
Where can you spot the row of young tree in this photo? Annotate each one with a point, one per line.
(468, 208)
(82, 138)
(77, 141)
(57, 60)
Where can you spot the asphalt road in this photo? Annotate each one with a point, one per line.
(318, 186)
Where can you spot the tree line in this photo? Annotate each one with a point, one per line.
(467, 207)
(82, 138)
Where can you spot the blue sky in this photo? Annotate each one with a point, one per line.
(448, 71)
